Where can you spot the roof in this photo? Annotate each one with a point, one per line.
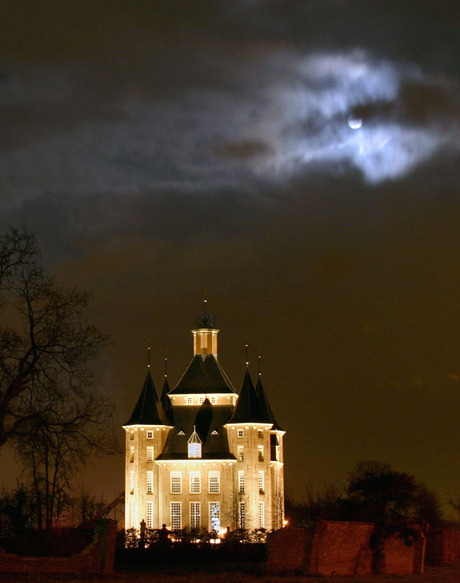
(205, 321)
(148, 409)
(249, 408)
(203, 375)
(208, 422)
(266, 405)
(164, 399)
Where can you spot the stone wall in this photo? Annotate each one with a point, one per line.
(98, 557)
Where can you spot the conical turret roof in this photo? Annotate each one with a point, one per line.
(148, 409)
(249, 408)
(265, 404)
(164, 399)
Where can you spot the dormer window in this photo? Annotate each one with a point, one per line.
(194, 445)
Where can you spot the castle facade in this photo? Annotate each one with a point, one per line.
(202, 455)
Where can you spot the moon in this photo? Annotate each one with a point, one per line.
(355, 122)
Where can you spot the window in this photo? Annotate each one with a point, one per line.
(176, 482)
(194, 445)
(260, 449)
(261, 482)
(240, 432)
(274, 447)
(149, 434)
(213, 400)
(214, 516)
(150, 453)
(241, 481)
(195, 515)
(259, 433)
(131, 459)
(133, 514)
(176, 515)
(195, 482)
(194, 450)
(242, 515)
(133, 481)
(240, 453)
(189, 400)
(131, 435)
(214, 482)
(261, 515)
(201, 400)
(149, 482)
(149, 514)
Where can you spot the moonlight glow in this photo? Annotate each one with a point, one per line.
(355, 122)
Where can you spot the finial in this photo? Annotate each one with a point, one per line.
(205, 320)
(148, 357)
(247, 358)
(166, 367)
(260, 362)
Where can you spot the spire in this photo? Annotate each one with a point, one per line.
(248, 408)
(148, 409)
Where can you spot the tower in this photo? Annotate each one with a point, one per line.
(204, 456)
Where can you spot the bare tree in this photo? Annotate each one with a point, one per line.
(46, 344)
(49, 409)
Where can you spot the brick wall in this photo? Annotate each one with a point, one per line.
(398, 557)
(288, 551)
(98, 557)
(341, 548)
(443, 545)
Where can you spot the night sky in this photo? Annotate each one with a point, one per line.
(299, 162)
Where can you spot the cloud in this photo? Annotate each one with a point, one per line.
(249, 119)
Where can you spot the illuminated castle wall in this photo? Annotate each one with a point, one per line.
(203, 456)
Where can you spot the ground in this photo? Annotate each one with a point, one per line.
(447, 574)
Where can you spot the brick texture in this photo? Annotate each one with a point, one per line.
(443, 545)
(339, 548)
(97, 558)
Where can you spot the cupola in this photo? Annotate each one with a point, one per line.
(205, 335)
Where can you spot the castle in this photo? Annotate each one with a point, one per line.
(203, 456)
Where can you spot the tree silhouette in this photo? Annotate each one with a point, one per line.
(49, 409)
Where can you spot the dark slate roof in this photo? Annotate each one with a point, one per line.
(205, 321)
(249, 409)
(164, 399)
(204, 375)
(266, 405)
(209, 422)
(148, 410)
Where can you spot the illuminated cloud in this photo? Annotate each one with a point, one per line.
(386, 142)
(284, 115)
